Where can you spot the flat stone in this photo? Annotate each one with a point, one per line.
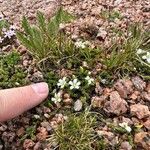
(139, 110)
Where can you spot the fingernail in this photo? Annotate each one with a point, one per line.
(40, 88)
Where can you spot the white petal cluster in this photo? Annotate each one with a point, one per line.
(9, 34)
(81, 44)
(89, 80)
(147, 57)
(62, 82)
(1, 40)
(140, 51)
(56, 98)
(75, 84)
(125, 126)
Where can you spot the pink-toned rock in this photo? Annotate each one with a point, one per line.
(116, 105)
(142, 140)
(148, 88)
(124, 87)
(28, 143)
(46, 125)
(147, 124)
(146, 96)
(109, 137)
(125, 146)
(37, 146)
(107, 91)
(20, 132)
(139, 110)
(139, 83)
(42, 135)
(98, 101)
(98, 89)
(135, 95)
(127, 120)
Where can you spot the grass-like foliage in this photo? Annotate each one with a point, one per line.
(77, 133)
(44, 40)
(122, 59)
(49, 45)
(11, 73)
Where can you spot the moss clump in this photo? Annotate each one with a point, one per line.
(11, 73)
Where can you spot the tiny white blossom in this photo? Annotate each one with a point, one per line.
(80, 44)
(147, 57)
(103, 81)
(89, 80)
(89, 73)
(61, 26)
(36, 116)
(74, 36)
(87, 43)
(1, 40)
(125, 126)
(75, 84)
(56, 98)
(62, 82)
(12, 27)
(9, 33)
(140, 51)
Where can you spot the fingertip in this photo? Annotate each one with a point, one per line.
(41, 89)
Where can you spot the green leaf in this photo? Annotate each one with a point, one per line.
(26, 26)
(41, 21)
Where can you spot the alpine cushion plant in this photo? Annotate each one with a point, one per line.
(79, 85)
(11, 72)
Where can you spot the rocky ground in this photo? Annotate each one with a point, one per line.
(127, 101)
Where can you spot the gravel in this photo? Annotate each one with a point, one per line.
(128, 100)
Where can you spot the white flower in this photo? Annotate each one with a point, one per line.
(9, 33)
(87, 43)
(62, 82)
(56, 98)
(125, 126)
(89, 73)
(103, 81)
(12, 27)
(102, 33)
(1, 40)
(89, 80)
(81, 44)
(75, 84)
(140, 51)
(36, 116)
(61, 26)
(147, 57)
(74, 36)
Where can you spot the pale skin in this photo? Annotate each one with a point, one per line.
(14, 102)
